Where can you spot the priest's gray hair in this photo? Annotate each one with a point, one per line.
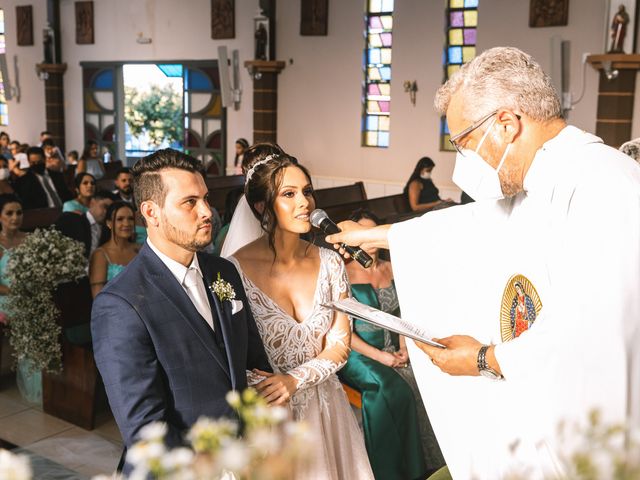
(502, 77)
(632, 148)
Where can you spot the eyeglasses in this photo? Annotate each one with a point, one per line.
(454, 140)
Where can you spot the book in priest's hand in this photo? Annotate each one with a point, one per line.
(382, 319)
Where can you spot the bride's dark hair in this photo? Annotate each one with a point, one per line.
(264, 180)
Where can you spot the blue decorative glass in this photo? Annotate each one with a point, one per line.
(103, 80)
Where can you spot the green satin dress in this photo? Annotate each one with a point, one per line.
(398, 436)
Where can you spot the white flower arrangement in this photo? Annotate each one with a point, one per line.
(45, 259)
(14, 467)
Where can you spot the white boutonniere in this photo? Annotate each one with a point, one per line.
(223, 289)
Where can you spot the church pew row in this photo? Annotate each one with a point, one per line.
(40, 218)
(75, 394)
(329, 197)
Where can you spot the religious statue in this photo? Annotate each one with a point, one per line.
(261, 42)
(619, 30)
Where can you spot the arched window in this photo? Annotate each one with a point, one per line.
(376, 62)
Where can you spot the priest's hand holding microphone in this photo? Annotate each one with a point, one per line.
(464, 355)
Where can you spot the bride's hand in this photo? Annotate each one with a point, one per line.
(277, 389)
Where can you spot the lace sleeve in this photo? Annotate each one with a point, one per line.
(337, 340)
(254, 378)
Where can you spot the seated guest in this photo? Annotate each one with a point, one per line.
(398, 434)
(114, 255)
(241, 146)
(85, 188)
(230, 204)
(52, 156)
(5, 174)
(10, 237)
(19, 162)
(5, 150)
(124, 185)
(39, 187)
(89, 161)
(14, 147)
(87, 228)
(420, 190)
(72, 157)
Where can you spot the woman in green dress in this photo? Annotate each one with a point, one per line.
(398, 434)
(85, 189)
(10, 237)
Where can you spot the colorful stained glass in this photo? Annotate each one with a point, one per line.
(4, 111)
(377, 68)
(460, 45)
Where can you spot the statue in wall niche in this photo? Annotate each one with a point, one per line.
(261, 37)
(619, 30)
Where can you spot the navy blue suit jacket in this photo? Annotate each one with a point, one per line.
(158, 357)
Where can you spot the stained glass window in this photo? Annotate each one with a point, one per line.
(376, 63)
(4, 114)
(460, 46)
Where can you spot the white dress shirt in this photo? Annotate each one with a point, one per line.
(191, 279)
(96, 230)
(53, 199)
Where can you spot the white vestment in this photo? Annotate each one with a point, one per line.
(575, 234)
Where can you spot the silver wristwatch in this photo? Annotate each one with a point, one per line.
(484, 369)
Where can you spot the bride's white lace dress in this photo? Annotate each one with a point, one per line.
(312, 351)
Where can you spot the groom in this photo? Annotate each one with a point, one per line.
(170, 345)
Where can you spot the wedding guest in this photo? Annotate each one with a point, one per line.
(87, 228)
(114, 255)
(5, 175)
(397, 431)
(11, 215)
(420, 190)
(53, 156)
(39, 187)
(5, 150)
(19, 161)
(306, 343)
(241, 146)
(14, 147)
(124, 185)
(89, 161)
(72, 157)
(50, 148)
(85, 185)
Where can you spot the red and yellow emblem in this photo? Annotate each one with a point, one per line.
(521, 306)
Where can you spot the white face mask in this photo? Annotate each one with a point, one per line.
(4, 173)
(425, 175)
(475, 176)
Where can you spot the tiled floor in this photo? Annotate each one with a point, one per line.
(82, 453)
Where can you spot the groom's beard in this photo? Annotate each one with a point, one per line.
(192, 242)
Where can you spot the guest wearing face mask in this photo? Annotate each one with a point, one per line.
(420, 190)
(5, 186)
(40, 187)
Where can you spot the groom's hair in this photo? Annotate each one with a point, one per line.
(147, 181)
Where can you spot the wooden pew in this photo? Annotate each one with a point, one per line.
(40, 218)
(112, 168)
(107, 184)
(224, 182)
(73, 395)
(328, 197)
(383, 207)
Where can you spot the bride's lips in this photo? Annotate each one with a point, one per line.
(303, 217)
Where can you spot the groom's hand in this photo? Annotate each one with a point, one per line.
(276, 389)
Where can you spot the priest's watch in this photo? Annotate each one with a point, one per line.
(484, 369)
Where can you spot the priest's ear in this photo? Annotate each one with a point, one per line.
(510, 124)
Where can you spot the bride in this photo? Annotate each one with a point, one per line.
(287, 281)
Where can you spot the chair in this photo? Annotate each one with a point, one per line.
(73, 394)
(354, 396)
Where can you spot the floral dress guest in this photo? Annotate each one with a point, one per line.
(114, 255)
(10, 237)
(397, 431)
(85, 189)
(287, 281)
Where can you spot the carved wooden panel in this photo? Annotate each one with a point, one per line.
(548, 13)
(24, 27)
(84, 23)
(314, 17)
(223, 23)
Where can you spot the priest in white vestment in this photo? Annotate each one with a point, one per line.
(535, 286)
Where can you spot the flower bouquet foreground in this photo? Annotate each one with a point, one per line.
(264, 444)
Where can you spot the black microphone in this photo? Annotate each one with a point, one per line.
(321, 220)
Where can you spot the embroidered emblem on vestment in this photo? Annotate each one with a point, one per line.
(521, 305)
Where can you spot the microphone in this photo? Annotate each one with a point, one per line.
(321, 220)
